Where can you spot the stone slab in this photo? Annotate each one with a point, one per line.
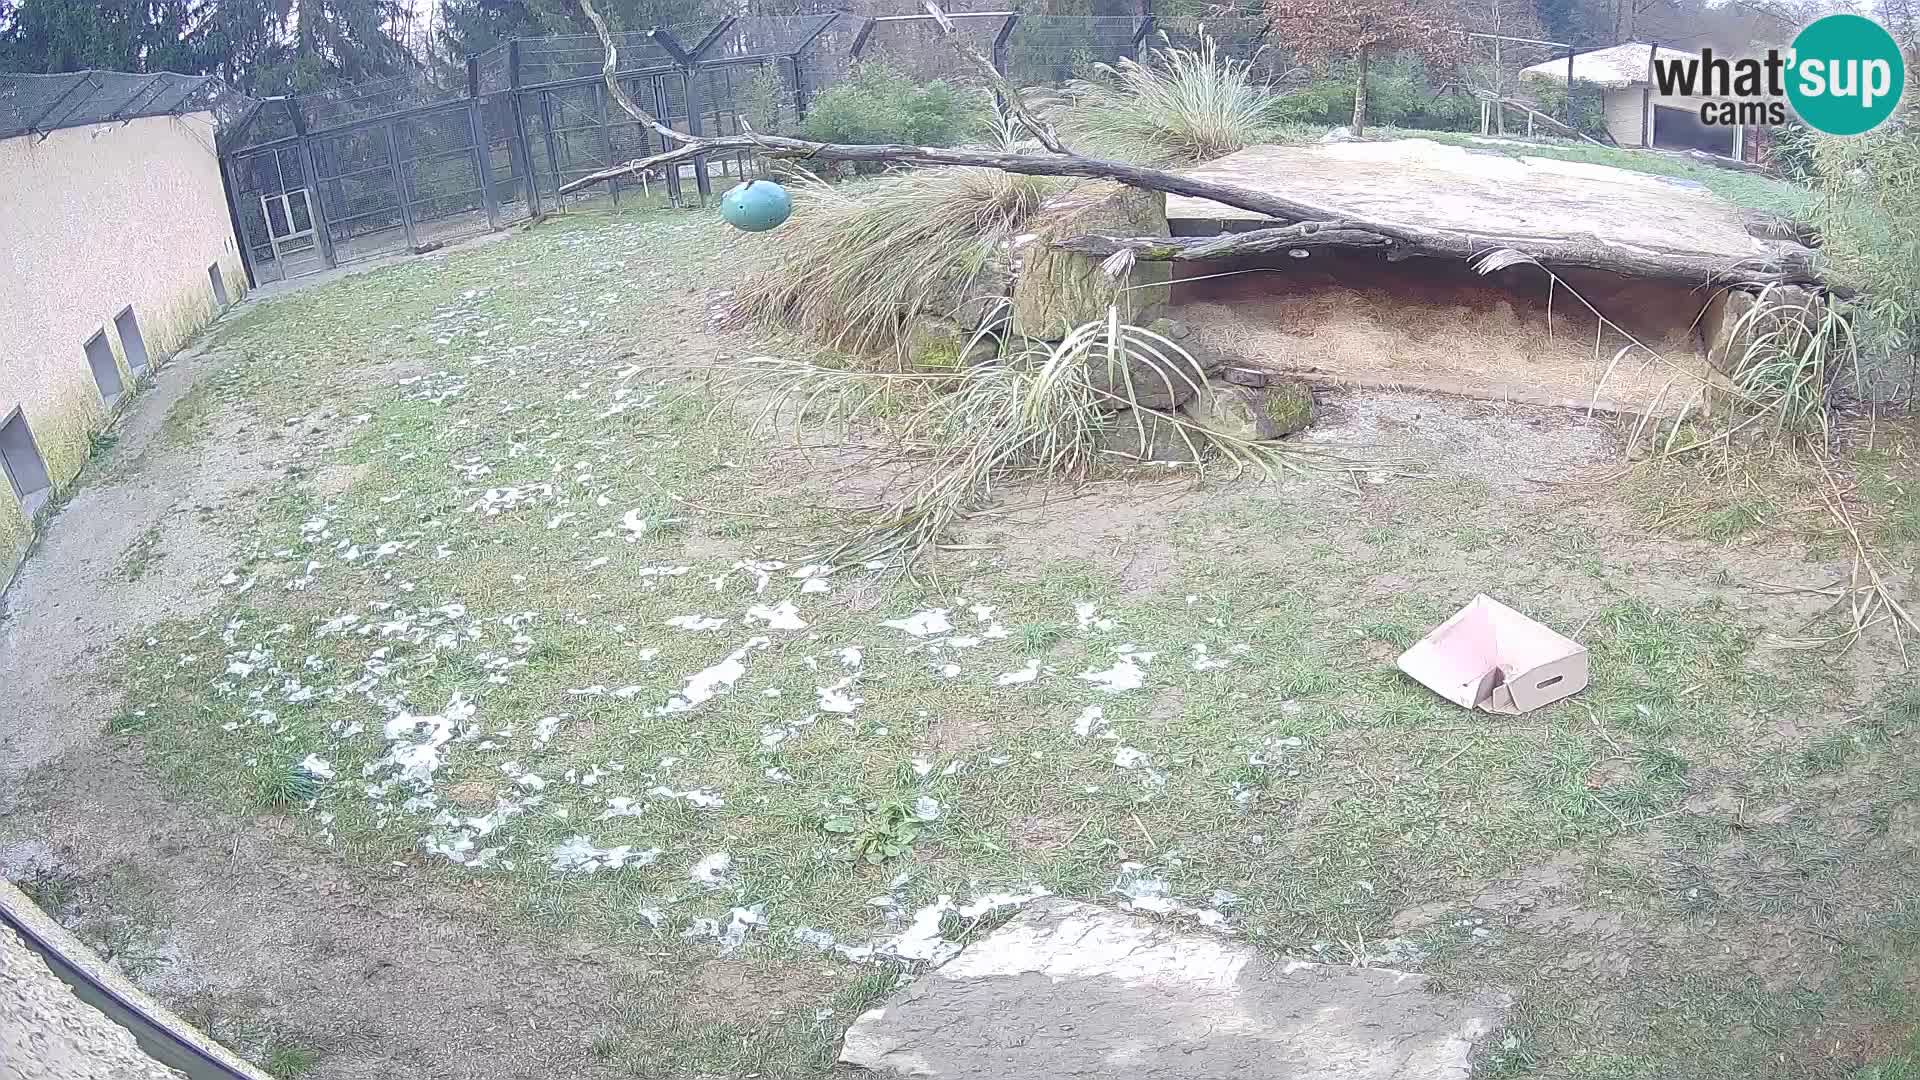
(1427, 184)
(1068, 989)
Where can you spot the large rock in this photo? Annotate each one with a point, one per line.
(1145, 435)
(973, 295)
(1728, 331)
(1251, 413)
(1072, 990)
(1142, 381)
(933, 343)
(1058, 290)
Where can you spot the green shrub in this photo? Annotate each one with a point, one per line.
(767, 102)
(1869, 225)
(1589, 116)
(880, 104)
(1400, 93)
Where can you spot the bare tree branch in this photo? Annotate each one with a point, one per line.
(1304, 224)
(619, 94)
(1042, 130)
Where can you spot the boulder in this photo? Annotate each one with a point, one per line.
(1251, 413)
(970, 296)
(1067, 989)
(1172, 330)
(1727, 339)
(1145, 435)
(932, 342)
(1058, 290)
(1143, 382)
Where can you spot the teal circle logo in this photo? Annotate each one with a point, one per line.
(1846, 75)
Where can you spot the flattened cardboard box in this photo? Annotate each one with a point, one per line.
(1490, 657)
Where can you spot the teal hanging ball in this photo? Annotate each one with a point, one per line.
(756, 206)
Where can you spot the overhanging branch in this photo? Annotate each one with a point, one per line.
(1305, 224)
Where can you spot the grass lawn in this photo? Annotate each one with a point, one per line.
(535, 614)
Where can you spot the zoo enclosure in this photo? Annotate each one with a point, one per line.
(407, 164)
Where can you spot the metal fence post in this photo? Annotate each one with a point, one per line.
(660, 110)
(1140, 33)
(1570, 54)
(482, 146)
(799, 89)
(1000, 43)
(400, 186)
(316, 206)
(517, 142)
(701, 181)
(553, 156)
(606, 137)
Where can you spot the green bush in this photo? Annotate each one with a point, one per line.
(1589, 116)
(1400, 93)
(1869, 225)
(767, 102)
(880, 104)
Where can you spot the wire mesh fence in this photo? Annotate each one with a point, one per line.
(40, 104)
(409, 162)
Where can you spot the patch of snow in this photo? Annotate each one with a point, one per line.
(839, 698)
(923, 623)
(579, 856)
(698, 798)
(782, 616)
(711, 870)
(1025, 675)
(703, 685)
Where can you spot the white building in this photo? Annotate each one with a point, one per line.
(115, 247)
(1636, 113)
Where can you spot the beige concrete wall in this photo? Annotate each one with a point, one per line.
(93, 219)
(1624, 110)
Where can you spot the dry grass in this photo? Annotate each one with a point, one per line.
(1177, 106)
(859, 262)
(1043, 410)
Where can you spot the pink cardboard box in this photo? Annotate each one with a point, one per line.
(1489, 656)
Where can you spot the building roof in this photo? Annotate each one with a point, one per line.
(43, 103)
(1612, 68)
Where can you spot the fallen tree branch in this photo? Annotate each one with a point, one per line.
(1331, 228)
(1591, 253)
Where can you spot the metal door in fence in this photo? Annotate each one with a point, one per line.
(275, 212)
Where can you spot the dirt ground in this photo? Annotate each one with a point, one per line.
(228, 919)
(399, 968)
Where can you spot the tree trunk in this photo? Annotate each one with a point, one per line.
(1360, 91)
(1787, 265)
